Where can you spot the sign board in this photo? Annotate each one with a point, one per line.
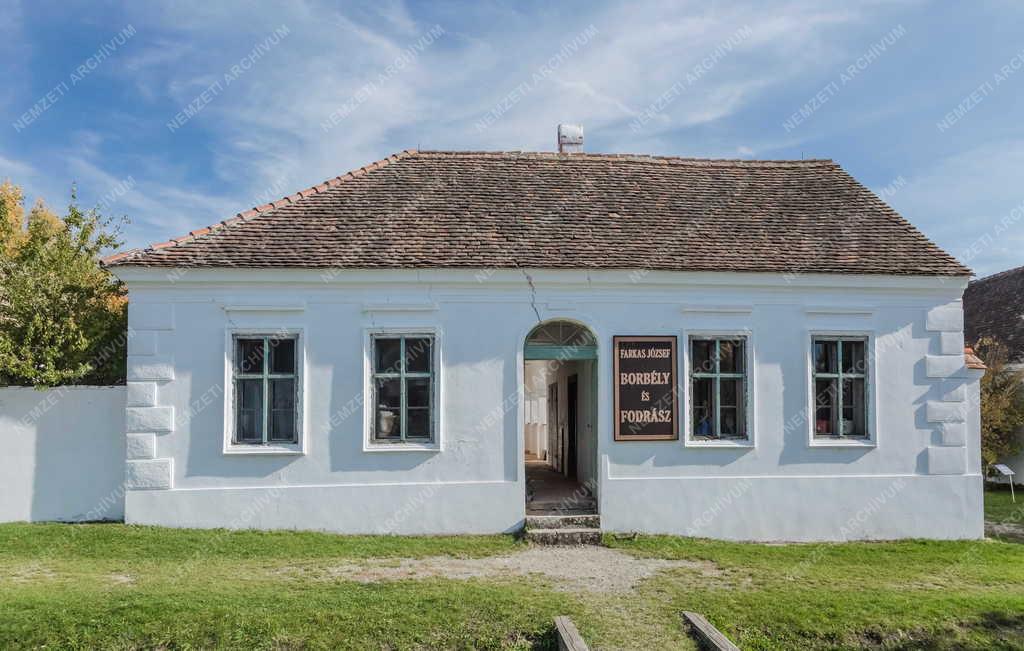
(1003, 469)
(645, 389)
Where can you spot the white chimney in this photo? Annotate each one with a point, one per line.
(570, 138)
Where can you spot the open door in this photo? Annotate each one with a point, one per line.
(572, 431)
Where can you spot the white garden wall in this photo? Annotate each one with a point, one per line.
(63, 454)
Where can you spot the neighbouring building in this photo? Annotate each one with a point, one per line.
(994, 308)
(445, 341)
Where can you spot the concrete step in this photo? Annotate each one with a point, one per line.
(587, 506)
(583, 521)
(574, 536)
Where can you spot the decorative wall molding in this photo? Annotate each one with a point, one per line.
(141, 394)
(291, 307)
(951, 343)
(155, 367)
(946, 412)
(954, 434)
(737, 310)
(838, 310)
(149, 474)
(141, 446)
(944, 460)
(945, 318)
(149, 419)
(944, 366)
(400, 307)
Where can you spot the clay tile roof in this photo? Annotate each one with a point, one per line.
(971, 360)
(994, 307)
(449, 209)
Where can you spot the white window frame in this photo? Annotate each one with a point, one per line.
(369, 415)
(297, 448)
(751, 387)
(870, 397)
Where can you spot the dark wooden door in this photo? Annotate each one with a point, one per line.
(572, 408)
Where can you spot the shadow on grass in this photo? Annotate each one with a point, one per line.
(998, 630)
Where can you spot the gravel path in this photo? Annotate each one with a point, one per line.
(589, 568)
(1014, 532)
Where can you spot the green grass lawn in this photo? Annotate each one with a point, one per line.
(999, 506)
(116, 586)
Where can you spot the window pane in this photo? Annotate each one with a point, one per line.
(387, 353)
(854, 408)
(730, 357)
(388, 424)
(853, 357)
(703, 351)
(282, 356)
(732, 392)
(419, 423)
(825, 400)
(249, 355)
(282, 394)
(703, 403)
(417, 392)
(249, 411)
(418, 354)
(825, 357)
(731, 422)
(282, 427)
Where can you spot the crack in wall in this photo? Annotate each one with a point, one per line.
(533, 293)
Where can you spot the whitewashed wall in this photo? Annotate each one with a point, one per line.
(922, 479)
(63, 454)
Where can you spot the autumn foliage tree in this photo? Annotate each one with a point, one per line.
(1002, 403)
(62, 316)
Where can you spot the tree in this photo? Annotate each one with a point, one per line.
(63, 317)
(1002, 403)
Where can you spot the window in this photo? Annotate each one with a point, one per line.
(840, 371)
(718, 388)
(403, 388)
(265, 392)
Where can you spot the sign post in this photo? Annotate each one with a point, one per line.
(645, 389)
(1005, 471)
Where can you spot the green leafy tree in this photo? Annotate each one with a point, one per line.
(1002, 403)
(63, 318)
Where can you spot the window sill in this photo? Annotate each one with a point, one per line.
(401, 447)
(833, 442)
(278, 449)
(719, 443)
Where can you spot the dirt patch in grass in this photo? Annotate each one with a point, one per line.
(121, 579)
(592, 569)
(30, 573)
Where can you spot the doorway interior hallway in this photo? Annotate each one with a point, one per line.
(560, 437)
(549, 492)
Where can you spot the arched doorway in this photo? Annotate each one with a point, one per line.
(560, 376)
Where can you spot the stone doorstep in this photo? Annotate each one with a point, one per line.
(586, 521)
(561, 507)
(574, 536)
(563, 529)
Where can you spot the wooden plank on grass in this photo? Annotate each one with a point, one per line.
(569, 638)
(706, 634)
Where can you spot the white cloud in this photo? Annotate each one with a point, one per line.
(261, 137)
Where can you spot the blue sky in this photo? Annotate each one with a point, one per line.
(921, 101)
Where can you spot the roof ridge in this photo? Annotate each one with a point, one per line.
(745, 162)
(998, 274)
(256, 211)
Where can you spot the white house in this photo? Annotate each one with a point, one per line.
(442, 342)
